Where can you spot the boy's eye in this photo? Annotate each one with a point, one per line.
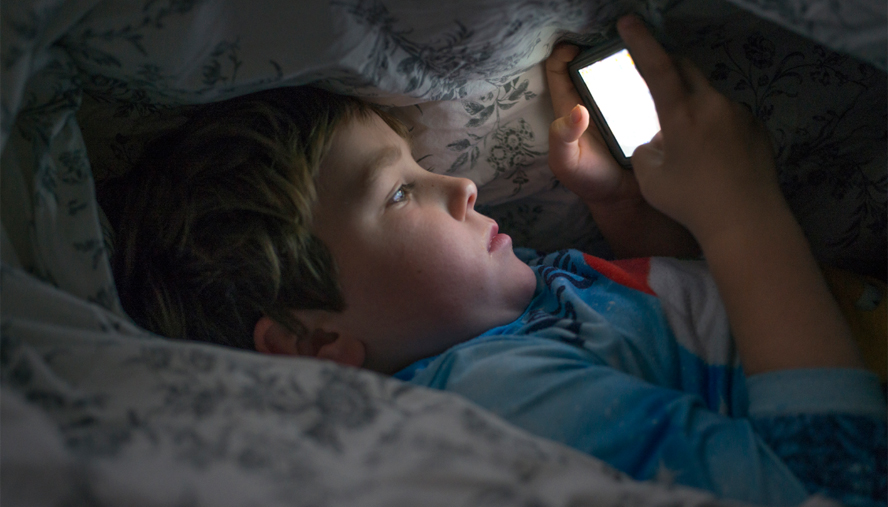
(401, 194)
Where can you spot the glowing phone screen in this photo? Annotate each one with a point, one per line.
(624, 100)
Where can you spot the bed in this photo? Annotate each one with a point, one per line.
(96, 411)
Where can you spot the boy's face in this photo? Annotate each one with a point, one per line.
(420, 269)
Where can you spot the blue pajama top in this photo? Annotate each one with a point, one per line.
(633, 363)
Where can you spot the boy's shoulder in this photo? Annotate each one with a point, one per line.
(629, 292)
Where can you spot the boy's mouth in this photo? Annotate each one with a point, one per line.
(497, 240)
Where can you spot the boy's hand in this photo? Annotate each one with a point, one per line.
(711, 167)
(578, 156)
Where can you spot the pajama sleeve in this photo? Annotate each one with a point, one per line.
(633, 363)
(828, 426)
(563, 392)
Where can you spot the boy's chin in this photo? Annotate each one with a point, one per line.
(525, 282)
(511, 300)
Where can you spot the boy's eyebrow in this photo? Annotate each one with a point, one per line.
(382, 158)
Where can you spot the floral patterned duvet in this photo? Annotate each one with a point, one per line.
(98, 412)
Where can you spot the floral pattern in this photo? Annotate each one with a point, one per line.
(166, 421)
(512, 145)
(98, 412)
(830, 140)
(856, 31)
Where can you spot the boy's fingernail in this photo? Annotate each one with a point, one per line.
(575, 114)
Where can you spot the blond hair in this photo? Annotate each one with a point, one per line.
(213, 226)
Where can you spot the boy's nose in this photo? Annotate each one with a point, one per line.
(463, 193)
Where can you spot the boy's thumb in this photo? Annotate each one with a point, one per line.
(563, 135)
(646, 159)
(570, 127)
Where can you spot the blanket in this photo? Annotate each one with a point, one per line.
(96, 411)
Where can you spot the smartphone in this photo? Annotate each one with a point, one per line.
(617, 97)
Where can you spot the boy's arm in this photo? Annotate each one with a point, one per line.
(580, 160)
(711, 168)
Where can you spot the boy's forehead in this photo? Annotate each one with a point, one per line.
(362, 148)
(382, 158)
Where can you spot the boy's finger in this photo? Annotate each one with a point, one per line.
(655, 65)
(694, 79)
(563, 135)
(570, 127)
(647, 158)
(561, 88)
(656, 142)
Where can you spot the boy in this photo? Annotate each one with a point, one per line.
(307, 229)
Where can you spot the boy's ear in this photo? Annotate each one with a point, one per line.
(271, 337)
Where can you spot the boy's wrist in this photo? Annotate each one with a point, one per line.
(633, 228)
(748, 220)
